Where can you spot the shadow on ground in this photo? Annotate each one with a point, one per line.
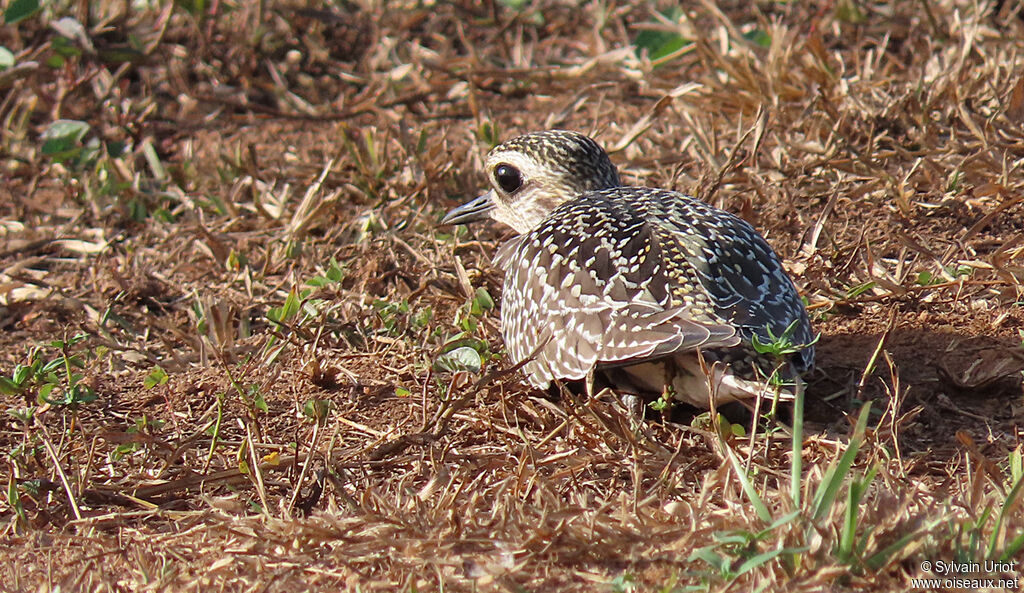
(948, 383)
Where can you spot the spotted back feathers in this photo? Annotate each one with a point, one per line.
(604, 275)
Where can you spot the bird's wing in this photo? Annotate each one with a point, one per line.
(588, 287)
(740, 274)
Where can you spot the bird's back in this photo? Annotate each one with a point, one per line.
(623, 275)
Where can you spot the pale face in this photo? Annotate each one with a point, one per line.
(533, 174)
(523, 191)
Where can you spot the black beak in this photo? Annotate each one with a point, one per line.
(477, 209)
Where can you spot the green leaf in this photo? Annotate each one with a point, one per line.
(460, 340)
(1017, 464)
(20, 10)
(155, 377)
(316, 409)
(488, 133)
(659, 44)
(21, 374)
(1013, 549)
(886, 554)
(120, 54)
(421, 143)
(14, 501)
(858, 290)
(51, 366)
(459, 359)
(196, 8)
(23, 414)
(286, 311)
(6, 58)
(65, 48)
(482, 301)
(256, 396)
(44, 392)
(335, 273)
(760, 37)
(8, 387)
(797, 463)
(63, 137)
(783, 520)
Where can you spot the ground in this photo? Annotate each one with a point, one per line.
(227, 307)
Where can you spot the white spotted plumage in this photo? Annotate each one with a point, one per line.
(606, 276)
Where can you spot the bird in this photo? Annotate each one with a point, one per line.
(650, 290)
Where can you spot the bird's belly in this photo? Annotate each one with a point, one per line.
(688, 380)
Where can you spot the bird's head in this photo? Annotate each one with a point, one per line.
(533, 174)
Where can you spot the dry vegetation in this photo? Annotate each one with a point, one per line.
(227, 310)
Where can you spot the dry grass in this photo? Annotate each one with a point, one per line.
(231, 410)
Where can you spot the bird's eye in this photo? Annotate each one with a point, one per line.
(508, 177)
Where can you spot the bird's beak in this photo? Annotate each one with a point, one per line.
(477, 209)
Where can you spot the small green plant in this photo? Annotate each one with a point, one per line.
(489, 133)
(858, 290)
(468, 316)
(665, 402)
(156, 377)
(958, 271)
(782, 345)
(392, 315)
(372, 163)
(254, 397)
(54, 381)
(928, 279)
(462, 358)
(955, 182)
(737, 552)
(720, 424)
(658, 43)
(142, 426)
(334, 274)
(317, 409)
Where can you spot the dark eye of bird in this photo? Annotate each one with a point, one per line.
(508, 178)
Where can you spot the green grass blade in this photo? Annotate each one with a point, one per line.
(1011, 498)
(764, 557)
(748, 488)
(1013, 549)
(885, 555)
(849, 532)
(836, 474)
(797, 468)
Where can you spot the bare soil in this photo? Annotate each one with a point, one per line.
(877, 146)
